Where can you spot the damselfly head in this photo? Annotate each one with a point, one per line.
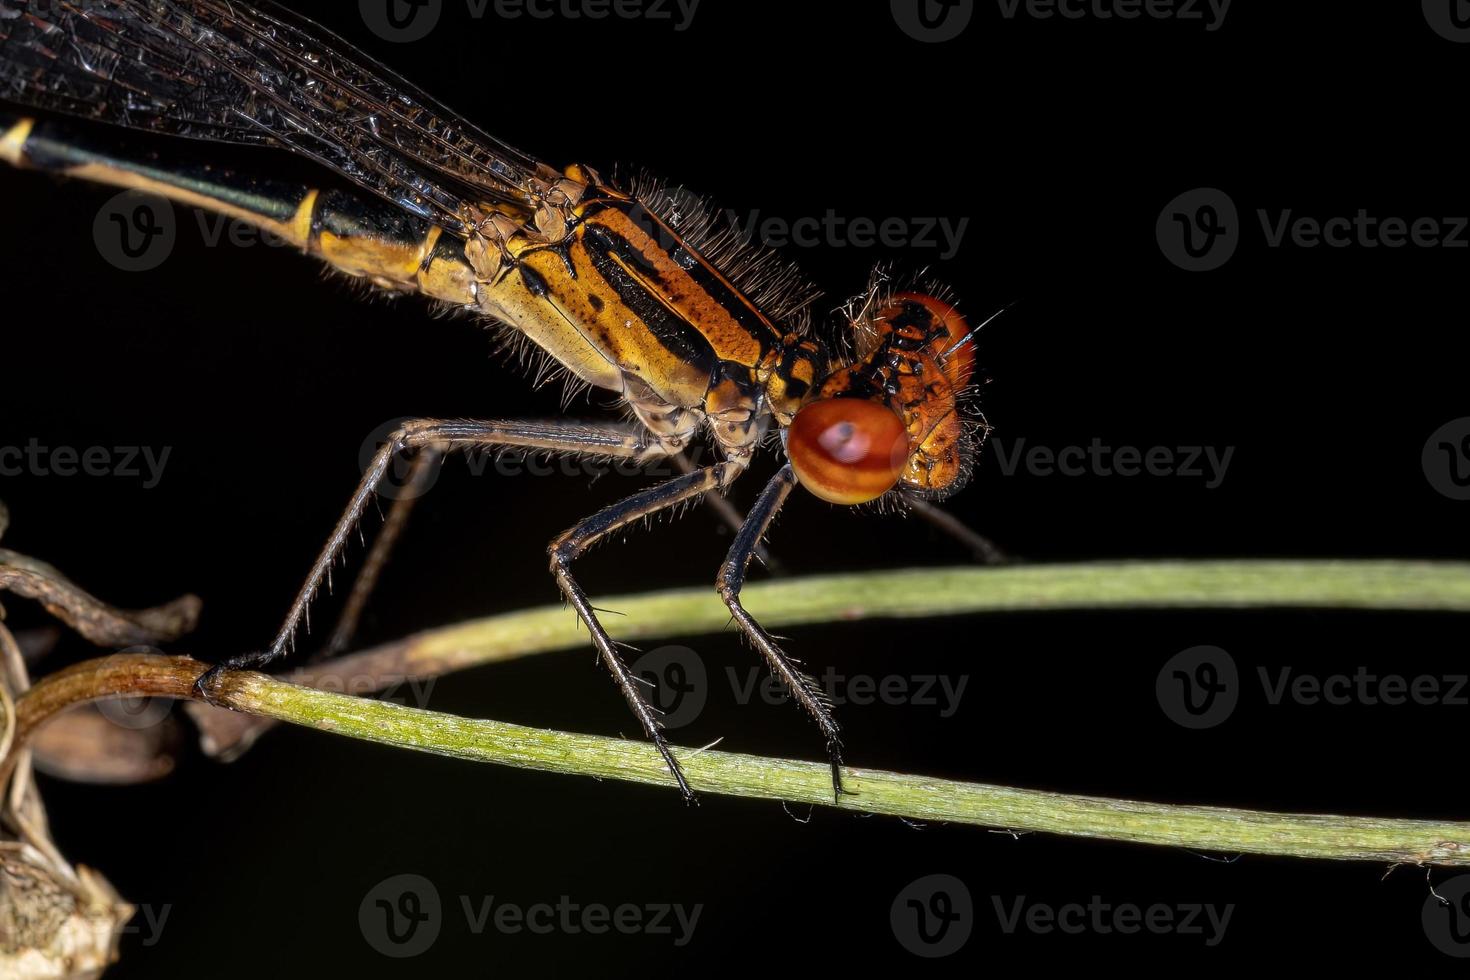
(891, 418)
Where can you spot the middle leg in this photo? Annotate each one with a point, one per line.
(567, 547)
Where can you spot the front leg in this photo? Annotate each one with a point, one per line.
(567, 547)
(803, 688)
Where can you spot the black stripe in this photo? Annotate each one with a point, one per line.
(350, 216)
(676, 336)
(737, 305)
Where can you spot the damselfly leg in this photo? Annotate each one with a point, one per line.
(567, 547)
(982, 548)
(637, 290)
(439, 437)
(415, 485)
(731, 580)
(731, 516)
(421, 467)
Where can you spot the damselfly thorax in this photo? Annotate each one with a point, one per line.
(638, 289)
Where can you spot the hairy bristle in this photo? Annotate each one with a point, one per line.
(774, 284)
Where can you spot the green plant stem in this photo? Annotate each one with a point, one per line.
(712, 772)
(914, 593)
(1343, 585)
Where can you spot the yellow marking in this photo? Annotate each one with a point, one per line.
(12, 144)
(371, 255)
(453, 282)
(544, 320)
(426, 247)
(300, 223)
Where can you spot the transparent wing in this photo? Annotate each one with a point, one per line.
(230, 72)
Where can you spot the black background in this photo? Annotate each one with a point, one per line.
(1061, 141)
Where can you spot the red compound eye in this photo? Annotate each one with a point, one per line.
(847, 450)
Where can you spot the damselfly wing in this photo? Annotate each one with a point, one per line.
(634, 289)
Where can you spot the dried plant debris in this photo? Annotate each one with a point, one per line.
(52, 924)
(58, 920)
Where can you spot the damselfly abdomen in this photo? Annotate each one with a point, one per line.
(638, 289)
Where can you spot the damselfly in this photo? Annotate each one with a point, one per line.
(635, 288)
